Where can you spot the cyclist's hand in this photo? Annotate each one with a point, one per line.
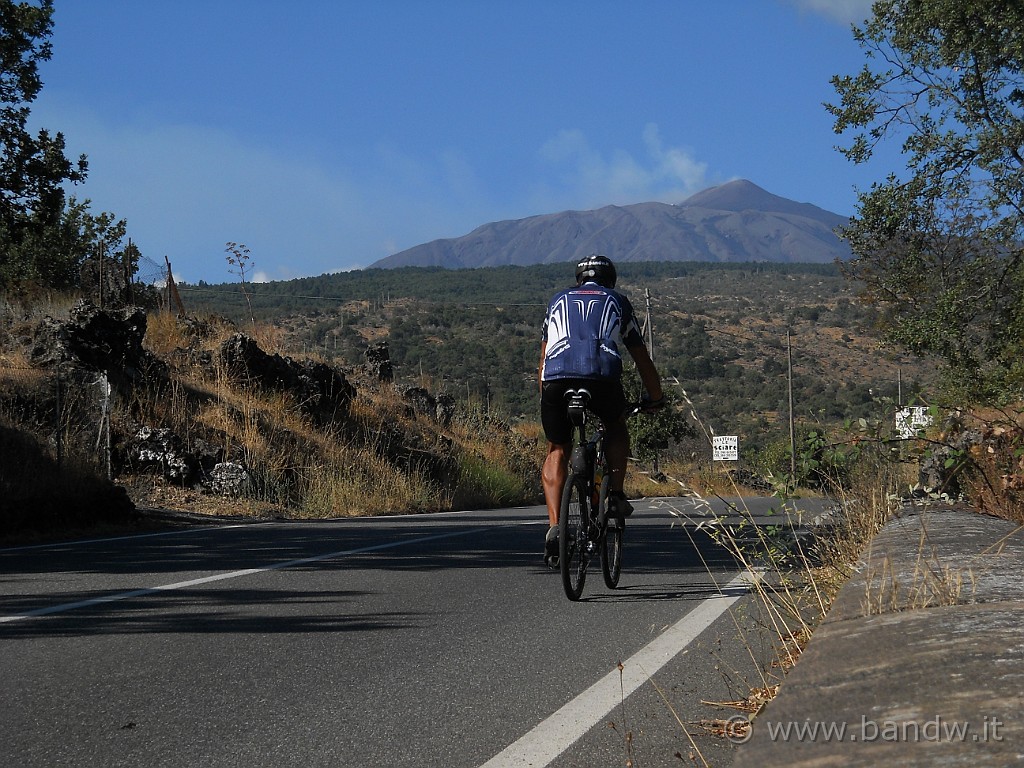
(647, 405)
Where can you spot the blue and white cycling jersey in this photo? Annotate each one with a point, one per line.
(583, 330)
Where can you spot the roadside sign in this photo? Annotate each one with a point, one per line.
(911, 419)
(725, 448)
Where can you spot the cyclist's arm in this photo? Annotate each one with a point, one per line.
(633, 340)
(540, 366)
(648, 373)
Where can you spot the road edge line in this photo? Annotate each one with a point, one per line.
(547, 740)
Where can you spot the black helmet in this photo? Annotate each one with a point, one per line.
(597, 268)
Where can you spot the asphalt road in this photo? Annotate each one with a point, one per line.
(436, 640)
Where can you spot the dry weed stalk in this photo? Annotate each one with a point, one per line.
(753, 703)
(794, 587)
(931, 584)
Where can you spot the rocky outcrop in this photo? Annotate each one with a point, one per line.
(317, 386)
(942, 467)
(111, 341)
(197, 464)
(100, 340)
(164, 452)
(189, 440)
(441, 408)
(378, 362)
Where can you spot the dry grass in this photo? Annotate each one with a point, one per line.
(25, 313)
(379, 458)
(931, 583)
(50, 474)
(794, 577)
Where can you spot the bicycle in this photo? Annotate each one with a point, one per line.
(584, 527)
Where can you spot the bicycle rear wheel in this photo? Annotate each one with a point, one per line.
(573, 523)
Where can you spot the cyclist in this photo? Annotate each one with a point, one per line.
(584, 329)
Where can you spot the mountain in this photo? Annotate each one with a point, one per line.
(734, 222)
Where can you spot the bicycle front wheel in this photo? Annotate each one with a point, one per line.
(573, 523)
(611, 553)
(611, 540)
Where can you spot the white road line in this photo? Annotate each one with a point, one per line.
(62, 607)
(84, 542)
(540, 746)
(201, 528)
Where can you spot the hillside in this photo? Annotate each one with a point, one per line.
(720, 329)
(202, 416)
(734, 222)
(291, 413)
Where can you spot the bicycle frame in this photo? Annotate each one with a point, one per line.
(583, 523)
(587, 460)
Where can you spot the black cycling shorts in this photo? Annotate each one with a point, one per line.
(607, 402)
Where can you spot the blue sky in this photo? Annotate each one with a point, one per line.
(327, 134)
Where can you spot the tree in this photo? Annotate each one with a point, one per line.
(650, 435)
(55, 253)
(940, 248)
(44, 237)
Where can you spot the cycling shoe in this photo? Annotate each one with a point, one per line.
(551, 547)
(618, 505)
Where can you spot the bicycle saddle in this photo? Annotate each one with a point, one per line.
(577, 407)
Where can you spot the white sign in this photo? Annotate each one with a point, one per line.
(725, 448)
(910, 420)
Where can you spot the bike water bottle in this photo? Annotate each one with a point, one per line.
(598, 477)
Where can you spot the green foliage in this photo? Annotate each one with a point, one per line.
(770, 459)
(940, 249)
(507, 286)
(475, 335)
(821, 463)
(44, 237)
(487, 484)
(652, 434)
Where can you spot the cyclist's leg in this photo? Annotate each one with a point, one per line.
(616, 449)
(558, 430)
(556, 469)
(612, 412)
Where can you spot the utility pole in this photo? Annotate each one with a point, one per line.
(99, 258)
(649, 324)
(172, 290)
(792, 431)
